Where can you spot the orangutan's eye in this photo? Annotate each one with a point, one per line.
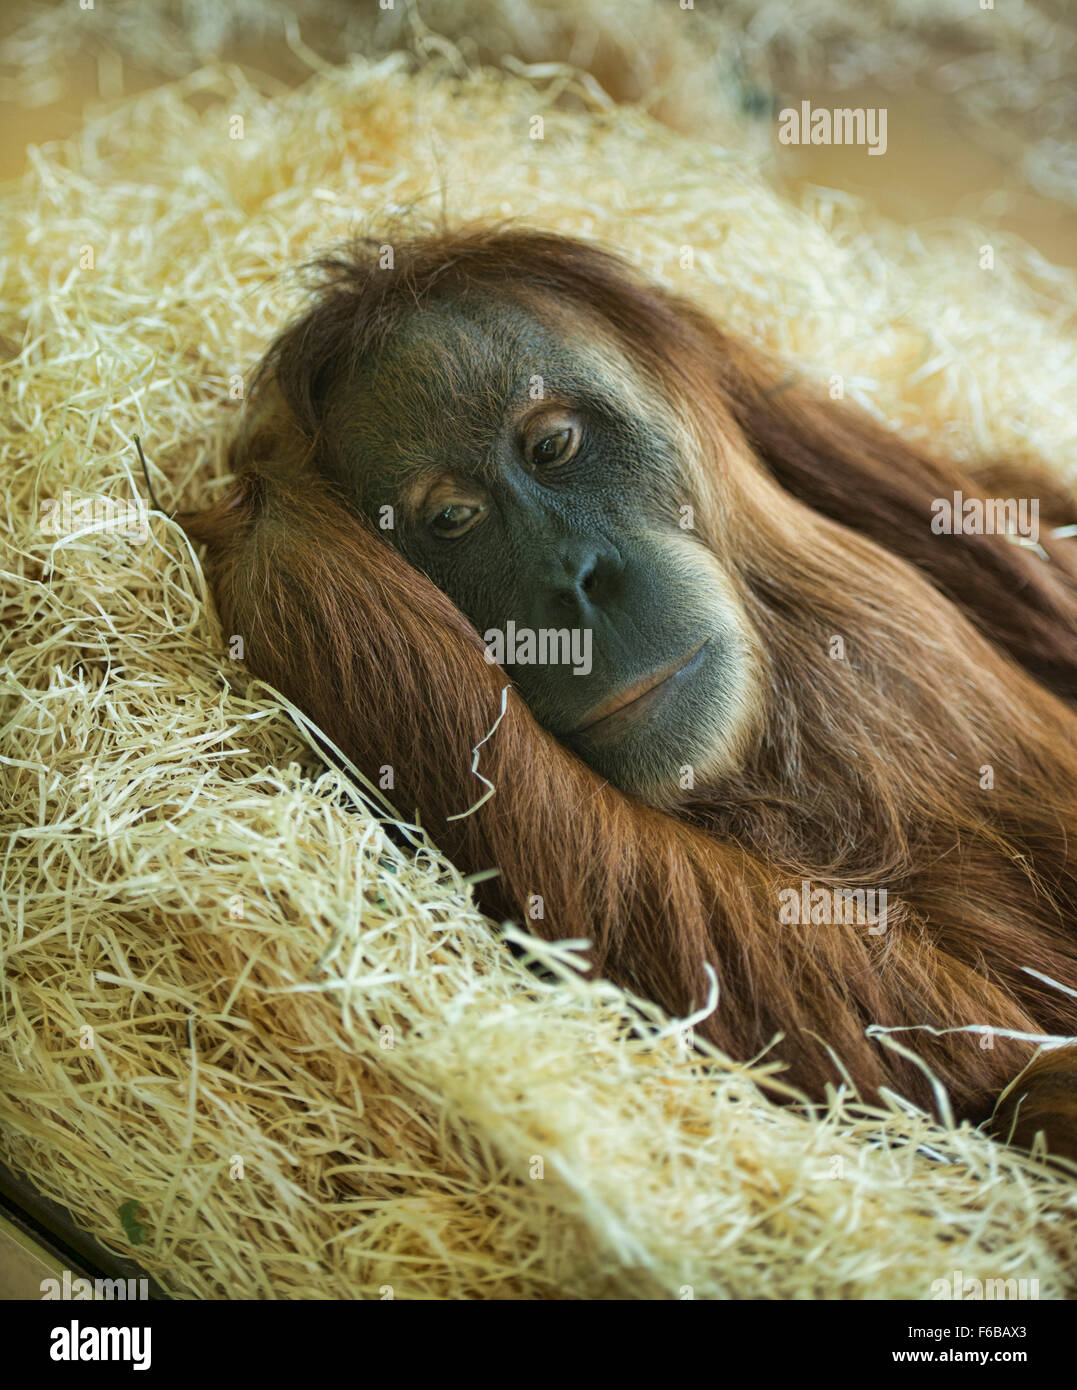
(454, 519)
(555, 448)
(550, 439)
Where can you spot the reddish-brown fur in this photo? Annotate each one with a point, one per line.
(961, 651)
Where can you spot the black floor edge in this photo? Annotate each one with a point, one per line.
(54, 1228)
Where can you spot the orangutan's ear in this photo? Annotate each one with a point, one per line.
(268, 446)
(269, 434)
(837, 460)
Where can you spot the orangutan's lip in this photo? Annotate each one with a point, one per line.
(640, 691)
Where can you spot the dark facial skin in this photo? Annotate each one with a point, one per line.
(527, 480)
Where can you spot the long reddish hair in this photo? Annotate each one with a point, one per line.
(937, 758)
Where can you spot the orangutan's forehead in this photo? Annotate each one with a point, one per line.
(459, 368)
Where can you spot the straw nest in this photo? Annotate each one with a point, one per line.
(230, 997)
(1007, 69)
